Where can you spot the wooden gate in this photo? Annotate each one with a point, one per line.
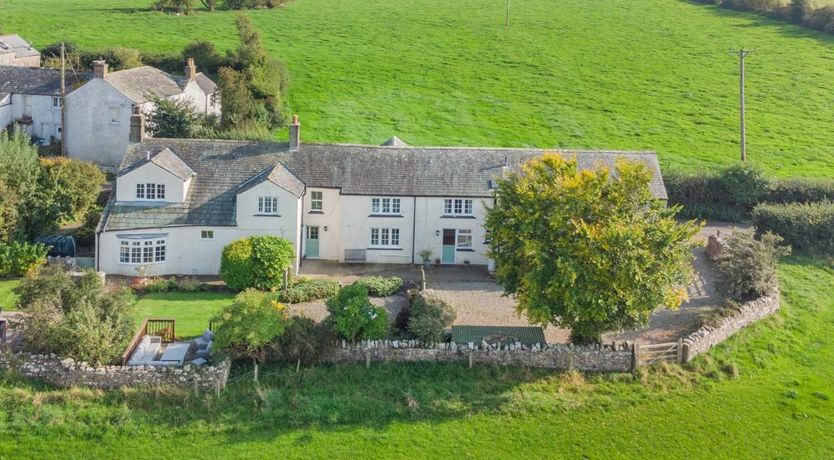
(671, 352)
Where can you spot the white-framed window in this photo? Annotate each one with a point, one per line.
(267, 205)
(464, 240)
(385, 206)
(142, 251)
(316, 201)
(115, 115)
(457, 207)
(207, 235)
(150, 191)
(57, 102)
(213, 100)
(385, 237)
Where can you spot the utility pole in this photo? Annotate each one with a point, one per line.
(742, 53)
(507, 22)
(63, 93)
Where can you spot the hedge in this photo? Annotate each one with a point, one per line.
(256, 262)
(307, 290)
(18, 259)
(379, 286)
(799, 191)
(805, 226)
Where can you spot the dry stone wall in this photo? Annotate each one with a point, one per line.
(68, 372)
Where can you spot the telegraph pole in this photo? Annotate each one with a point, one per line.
(63, 93)
(742, 53)
(507, 22)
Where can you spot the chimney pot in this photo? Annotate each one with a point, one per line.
(295, 133)
(99, 68)
(190, 69)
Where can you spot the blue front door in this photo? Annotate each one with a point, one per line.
(447, 255)
(311, 245)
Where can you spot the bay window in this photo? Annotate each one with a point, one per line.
(142, 251)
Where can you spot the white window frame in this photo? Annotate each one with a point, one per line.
(386, 206)
(316, 200)
(57, 102)
(207, 234)
(384, 237)
(143, 251)
(458, 207)
(467, 234)
(150, 192)
(268, 205)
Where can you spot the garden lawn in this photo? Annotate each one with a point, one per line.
(606, 74)
(765, 393)
(8, 299)
(192, 310)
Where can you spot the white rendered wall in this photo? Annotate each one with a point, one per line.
(175, 188)
(330, 240)
(90, 135)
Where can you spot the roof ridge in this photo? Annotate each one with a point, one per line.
(451, 147)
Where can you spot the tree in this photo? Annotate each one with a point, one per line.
(259, 262)
(353, 317)
(66, 190)
(748, 265)
(247, 327)
(591, 250)
(238, 104)
(303, 341)
(172, 118)
(18, 179)
(204, 54)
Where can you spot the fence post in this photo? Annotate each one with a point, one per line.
(680, 351)
(635, 357)
(217, 388)
(471, 359)
(367, 360)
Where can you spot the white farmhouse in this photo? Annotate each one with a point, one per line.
(178, 202)
(98, 113)
(16, 51)
(31, 97)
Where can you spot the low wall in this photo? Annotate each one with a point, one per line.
(706, 337)
(68, 372)
(603, 358)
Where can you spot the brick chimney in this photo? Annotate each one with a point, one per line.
(190, 70)
(99, 68)
(295, 133)
(137, 126)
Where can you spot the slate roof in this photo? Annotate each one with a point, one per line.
(140, 82)
(165, 159)
(16, 44)
(37, 80)
(222, 167)
(205, 83)
(278, 175)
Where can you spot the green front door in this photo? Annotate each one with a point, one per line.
(312, 244)
(447, 255)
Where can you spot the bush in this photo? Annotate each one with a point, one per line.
(353, 317)
(307, 290)
(429, 318)
(799, 191)
(161, 285)
(807, 227)
(303, 342)
(205, 55)
(379, 286)
(85, 235)
(19, 259)
(747, 265)
(174, 6)
(729, 195)
(256, 262)
(190, 284)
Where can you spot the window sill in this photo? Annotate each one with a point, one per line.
(386, 215)
(465, 250)
(385, 249)
(266, 215)
(450, 216)
(141, 264)
(315, 212)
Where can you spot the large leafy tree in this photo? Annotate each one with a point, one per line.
(172, 118)
(588, 250)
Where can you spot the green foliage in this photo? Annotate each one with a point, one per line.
(729, 195)
(174, 6)
(238, 104)
(430, 317)
(85, 234)
(252, 4)
(799, 191)
(353, 317)
(19, 259)
(75, 317)
(592, 251)
(303, 342)
(256, 262)
(307, 290)
(172, 118)
(806, 227)
(748, 265)
(19, 173)
(160, 285)
(67, 190)
(248, 326)
(205, 55)
(379, 286)
(801, 12)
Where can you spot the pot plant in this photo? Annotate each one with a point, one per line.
(425, 254)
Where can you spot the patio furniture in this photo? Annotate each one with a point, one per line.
(146, 352)
(175, 353)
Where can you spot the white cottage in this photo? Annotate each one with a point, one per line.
(177, 203)
(98, 113)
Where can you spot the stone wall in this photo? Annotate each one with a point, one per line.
(604, 358)
(68, 372)
(706, 337)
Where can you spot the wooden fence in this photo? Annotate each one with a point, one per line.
(646, 355)
(160, 327)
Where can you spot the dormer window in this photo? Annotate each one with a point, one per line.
(268, 205)
(385, 206)
(152, 192)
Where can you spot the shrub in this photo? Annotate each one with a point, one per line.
(379, 286)
(174, 6)
(256, 262)
(807, 227)
(205, 55)
(353, 317)
(729, 195)
(161, 285)
(190, 284)
(747, 265)
(18, 259)
(429, 318)
(85, 234)
(303, 342)
(307, 290)
(799, 191)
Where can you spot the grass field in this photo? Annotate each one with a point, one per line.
(8, 299)
(766, 393)
(191, 310)
(613, 74)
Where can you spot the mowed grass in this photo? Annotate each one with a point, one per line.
(191, 310)
(8, 299)
(612, 74)
(766, 393)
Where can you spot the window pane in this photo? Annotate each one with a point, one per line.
(458, 206)
(467, 206)
(375, 205)
(386, 205)
(374, 236)
(160, 251)
(384, 240)
(395, 237)
(136, 254)
(160, 191)
(395, 205)
(140, 191)
(447, 206)
(151, 191)
(464, 238)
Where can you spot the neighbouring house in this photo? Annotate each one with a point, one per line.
(31, 97)
(178, 202)
(18, 52)
(98, 113)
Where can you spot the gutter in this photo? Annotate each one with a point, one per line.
(413, 228)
